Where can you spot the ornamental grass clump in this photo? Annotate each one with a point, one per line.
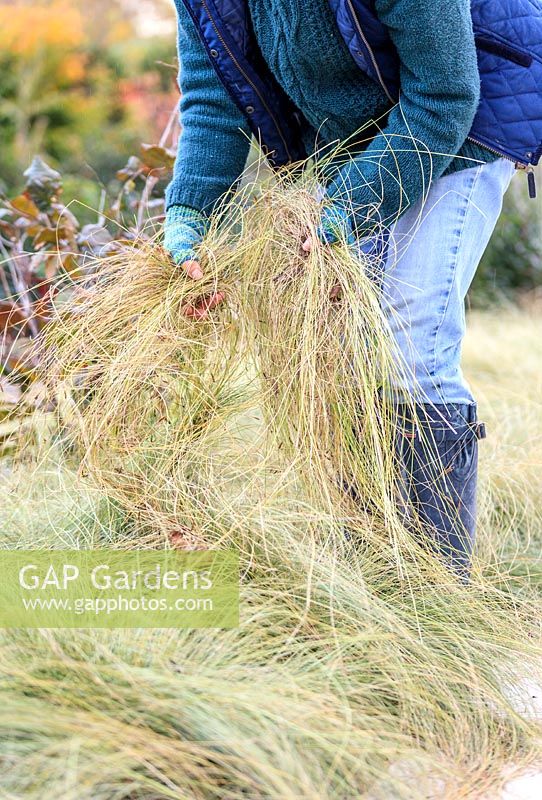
(283, 382)
(362, 667)
(329, 688)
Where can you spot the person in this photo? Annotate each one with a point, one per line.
(288, 72)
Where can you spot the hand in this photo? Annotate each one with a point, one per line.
(183, 231)
(335, 226)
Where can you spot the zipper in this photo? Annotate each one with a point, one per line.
(527, 168)
(357, 23)
(239, 67)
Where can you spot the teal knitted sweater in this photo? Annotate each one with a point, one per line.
(302, 45)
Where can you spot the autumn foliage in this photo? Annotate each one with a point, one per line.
(69, 70)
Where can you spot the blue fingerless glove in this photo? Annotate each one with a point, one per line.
(336, 226)
(184, 229)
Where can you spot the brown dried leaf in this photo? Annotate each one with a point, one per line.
(10, 315)
(156, 156)
(24, 204)
(47, 236)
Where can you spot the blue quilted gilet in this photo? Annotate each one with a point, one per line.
(509, 43)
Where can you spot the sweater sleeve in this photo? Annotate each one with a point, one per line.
(215, 138)
(440, 87)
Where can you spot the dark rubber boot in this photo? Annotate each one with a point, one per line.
(438, 460)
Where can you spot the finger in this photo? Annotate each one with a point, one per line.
(307, 245)
(193, 269)
(335, 292)
(215, 300)
(201, 309)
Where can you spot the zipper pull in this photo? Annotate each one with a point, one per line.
(531, 182)
(531, 178)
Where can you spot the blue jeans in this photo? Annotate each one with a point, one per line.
(432, 254)
(429, 260)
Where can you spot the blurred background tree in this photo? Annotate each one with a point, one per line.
(82, 84)
(512, 264)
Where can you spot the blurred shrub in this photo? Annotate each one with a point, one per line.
(513, 261)
(68, 70)
(51, 234)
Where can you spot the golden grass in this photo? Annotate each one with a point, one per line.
(361, 667)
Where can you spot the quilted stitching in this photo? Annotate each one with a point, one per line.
(510, 113)
(234, 17)
(509, 117)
